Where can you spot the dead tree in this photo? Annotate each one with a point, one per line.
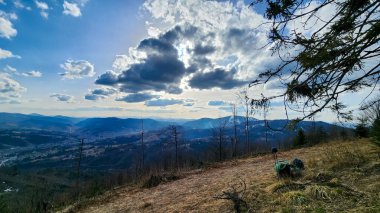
(218, 132)
(236, 193)
(142, 145)
(246, 101)
(174, 132)
(235, 139)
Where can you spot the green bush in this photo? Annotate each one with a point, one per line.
(375, 131)
(300, 138)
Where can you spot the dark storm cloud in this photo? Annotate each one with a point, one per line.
(185, 31)
(157, 45)
(219, 78)
(203, 50)
(160, 71)
(108, 78)
(137, 97)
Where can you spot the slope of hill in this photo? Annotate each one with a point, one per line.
(339, 177)
(36, 121)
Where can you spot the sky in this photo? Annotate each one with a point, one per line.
(134, 58)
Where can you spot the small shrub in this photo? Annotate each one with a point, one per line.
(156, 180)
(295, 198)
(321, 192)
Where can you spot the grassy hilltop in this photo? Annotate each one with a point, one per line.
(339, 177)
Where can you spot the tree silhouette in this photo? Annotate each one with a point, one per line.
(326, 59)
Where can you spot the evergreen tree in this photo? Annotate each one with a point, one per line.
(361, 131)
(375, 131)
(300, 139)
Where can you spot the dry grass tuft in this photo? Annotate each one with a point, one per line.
(341, 155)
(321, 192)
(295, 198)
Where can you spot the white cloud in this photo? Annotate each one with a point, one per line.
(44, 14)
(7, 54)
(13, 71)
(32, 73)
(11, 16)
(71, 9)
(43, 7)
(62, 97)
(10, 69)
(77, 69)
(6, 27)
(10, 90)
(18, 4)
(2, 2)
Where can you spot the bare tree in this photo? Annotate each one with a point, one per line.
(142, 146)
(235, 138)
(370, 111)
(219, 134)
(246, 101)
(174, 132)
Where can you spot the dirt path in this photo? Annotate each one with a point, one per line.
(194, 193)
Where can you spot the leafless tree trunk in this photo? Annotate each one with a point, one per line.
(142, 146)
(174, 132)
(235, 140)
(370, 111)
(243, 95)
(218, 130)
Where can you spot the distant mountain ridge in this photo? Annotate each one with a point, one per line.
(113, 126)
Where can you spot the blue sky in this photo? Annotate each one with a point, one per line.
(154, 58)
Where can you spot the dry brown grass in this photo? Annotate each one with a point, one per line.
(339, 177)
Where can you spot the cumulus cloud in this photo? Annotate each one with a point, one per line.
(159, 70)
(43, 6)
(100, 93)
(10, 89)
(33, 73)
(62, 97)
(77, 69)
(71, 9)
(7, 54)
(6, 27)
(217, 103)
(13, 71)
(137, 97)
(211, 46)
